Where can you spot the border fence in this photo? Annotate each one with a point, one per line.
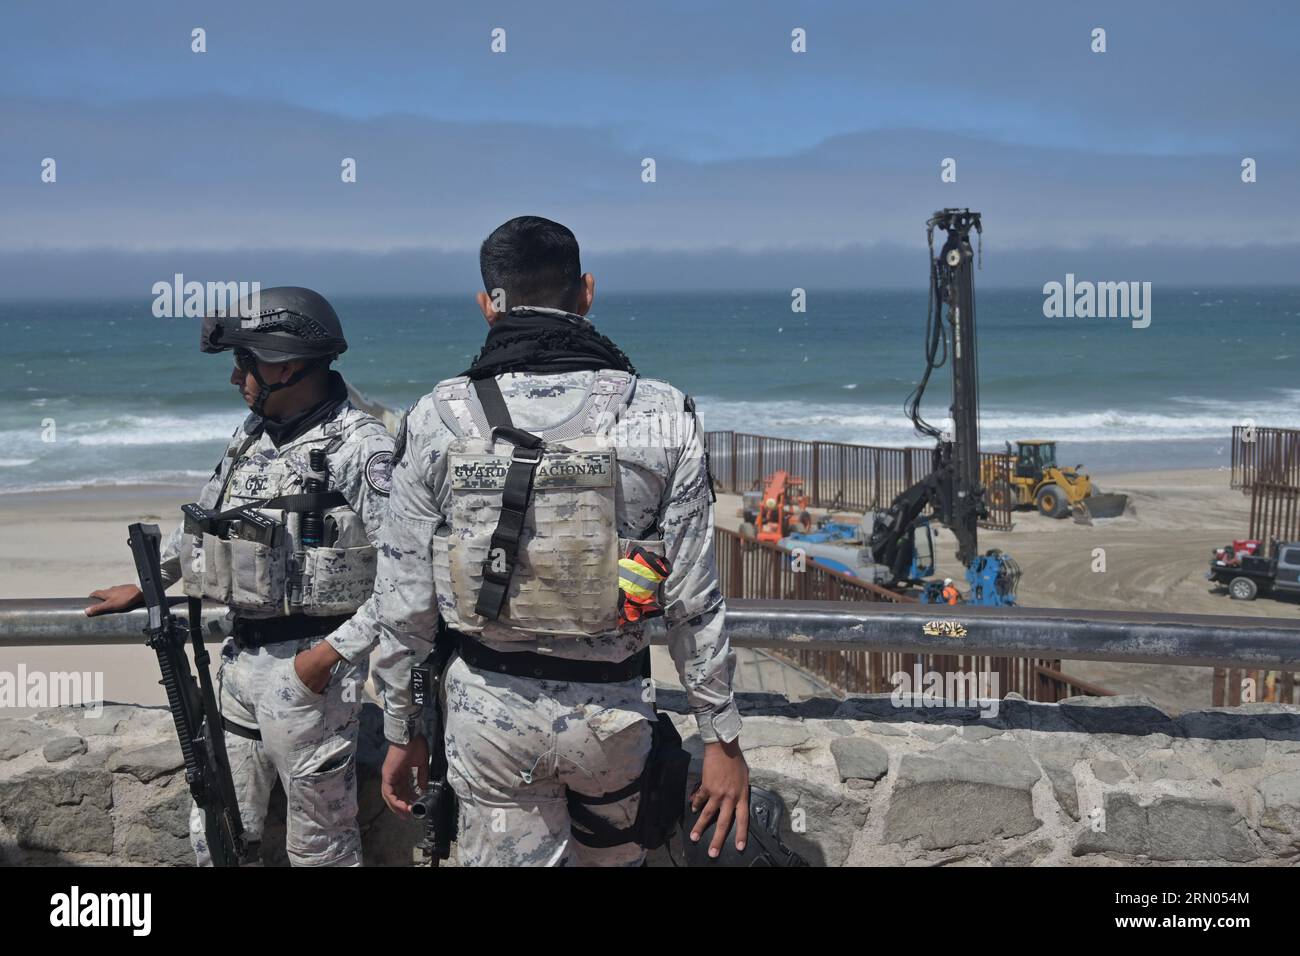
(1229, 687)
(1267, 455)
(757, 570)
(1274, 512)
(835, 475)
(999, 494)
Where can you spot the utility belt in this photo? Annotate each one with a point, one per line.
(255, 632)
(661, 783)
(548, 667)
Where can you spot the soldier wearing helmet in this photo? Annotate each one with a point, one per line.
(283, 534)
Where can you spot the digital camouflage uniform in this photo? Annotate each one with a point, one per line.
(515, 744)
(309, 740)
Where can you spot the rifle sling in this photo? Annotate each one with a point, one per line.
(308, 501)
(319, 501)
(504, 546)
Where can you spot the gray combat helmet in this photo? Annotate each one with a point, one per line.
(283, 323)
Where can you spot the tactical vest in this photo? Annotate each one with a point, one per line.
(251, 555)
(531, 538)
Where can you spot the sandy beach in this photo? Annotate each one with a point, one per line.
(1156, 559)
(67, 543)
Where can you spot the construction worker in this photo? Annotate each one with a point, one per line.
(541, 509)
(950, 593)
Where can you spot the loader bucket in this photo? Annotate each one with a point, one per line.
(1100, 506)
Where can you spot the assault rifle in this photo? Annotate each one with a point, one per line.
(437, 807)
(193, 705)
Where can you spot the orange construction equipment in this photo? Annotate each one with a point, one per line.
(781, 510)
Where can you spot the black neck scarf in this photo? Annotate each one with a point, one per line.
(286, 430)
(545, 343)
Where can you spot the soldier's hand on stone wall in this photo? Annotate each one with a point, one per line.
(724, 784)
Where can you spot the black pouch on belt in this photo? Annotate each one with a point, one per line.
(662, 786)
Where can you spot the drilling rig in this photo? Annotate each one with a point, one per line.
(901, 542)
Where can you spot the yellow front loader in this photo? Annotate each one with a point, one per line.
(1030, 477)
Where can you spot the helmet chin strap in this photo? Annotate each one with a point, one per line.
(265, 389)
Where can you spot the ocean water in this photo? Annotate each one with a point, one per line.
(103, 393)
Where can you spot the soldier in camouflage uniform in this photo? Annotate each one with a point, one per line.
(547, 703)
(291, 681)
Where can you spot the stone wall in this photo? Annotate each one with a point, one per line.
(1087, 782)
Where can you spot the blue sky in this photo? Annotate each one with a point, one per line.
(828, 158)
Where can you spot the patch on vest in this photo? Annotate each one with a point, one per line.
(379, 472)
(559, 470)
(249, 486)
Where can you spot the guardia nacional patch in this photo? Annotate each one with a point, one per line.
(557, 470)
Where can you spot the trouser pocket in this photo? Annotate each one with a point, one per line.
(321, 826)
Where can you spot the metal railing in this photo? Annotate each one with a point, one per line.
(61, 622)
(1139, 637)
(900, 634)
(1142, 637)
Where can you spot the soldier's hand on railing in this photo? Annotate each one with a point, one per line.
(724, 784)
(115, 600)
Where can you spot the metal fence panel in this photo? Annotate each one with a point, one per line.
(1270, 455)
(999, 467)
(834, 474)
(1274, 512)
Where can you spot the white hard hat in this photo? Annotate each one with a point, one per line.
(947, 581)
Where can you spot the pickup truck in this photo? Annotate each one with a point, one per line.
(1246, 574)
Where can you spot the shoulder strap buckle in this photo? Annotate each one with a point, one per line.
(526, 454)
(516, 436)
